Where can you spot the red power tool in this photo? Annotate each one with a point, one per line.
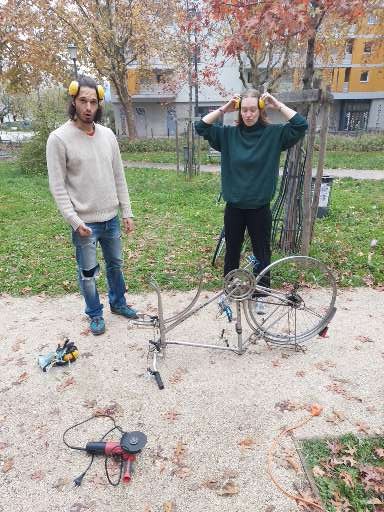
(130, 444)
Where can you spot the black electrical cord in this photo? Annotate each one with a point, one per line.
(78, 480)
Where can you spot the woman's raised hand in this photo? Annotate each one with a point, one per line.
(270, 101)
(232, 105)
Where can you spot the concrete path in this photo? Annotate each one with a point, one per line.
(358, 174)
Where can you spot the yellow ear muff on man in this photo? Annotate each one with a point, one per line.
(100, 92)
(73, 88)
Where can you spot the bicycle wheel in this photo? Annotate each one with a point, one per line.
(219, 248)
(299, 304)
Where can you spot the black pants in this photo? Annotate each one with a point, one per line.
(258, 222)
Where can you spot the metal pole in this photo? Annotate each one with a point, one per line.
(75, 68)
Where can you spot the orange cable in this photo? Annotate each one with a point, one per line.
(271, 452)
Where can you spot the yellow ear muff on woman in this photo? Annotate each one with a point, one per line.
(73, 90)
(261, 104)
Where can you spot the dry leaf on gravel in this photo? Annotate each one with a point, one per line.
(85, 332)
(78, 507)
(61, 483)
(8, 465)
(230, 488)
(362, 427)
(247, 443)
(270, 508)
(89, 404)
(3, 445)
(66, 383)
(37, 475)
(365, 339)
(21, 378)
(171, 415)
(300, 373)
(177, 376)
(276, 363)
(181, 471)
(287, 405)
(169, 506)
(110, 410)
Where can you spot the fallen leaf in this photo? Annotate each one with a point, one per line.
(21, 378)
(362, 427)
(211, 484)
(365, 339)
(317, 471)
(66, 383)
(300, 373)
(78, 507)
(171, 415)
(3, 445)
(287, 405)
(85, 332)
(181, 471)
(380, 452)
(110, 410)
(37, 475)
(61, 483)
(247, 443)
(8, 465)
(347, 478)
(230, 488)
(276, 363)
(169, 506)
(335, 446)
(270, 508)
(89, 404)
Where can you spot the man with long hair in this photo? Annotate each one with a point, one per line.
(87, 181)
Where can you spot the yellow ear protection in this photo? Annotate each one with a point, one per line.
(261, 104)
(73, 89)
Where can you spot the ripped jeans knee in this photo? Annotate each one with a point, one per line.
(92, 273)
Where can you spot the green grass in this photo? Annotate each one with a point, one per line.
(333, 160)
(347, 470)
(177, 225)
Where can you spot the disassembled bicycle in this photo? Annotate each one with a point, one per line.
(298, 305)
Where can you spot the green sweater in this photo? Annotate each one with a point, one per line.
(250, 157)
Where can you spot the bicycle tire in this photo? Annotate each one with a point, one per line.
(300, 302)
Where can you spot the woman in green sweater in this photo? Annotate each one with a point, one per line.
(250, 155)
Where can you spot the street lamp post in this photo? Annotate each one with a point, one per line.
(72, 48)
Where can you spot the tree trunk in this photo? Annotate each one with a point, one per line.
(121, 85)
(326, 106)
(307, 218)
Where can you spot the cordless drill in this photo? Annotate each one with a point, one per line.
(130, 444)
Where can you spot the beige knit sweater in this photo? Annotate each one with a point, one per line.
(86, 175)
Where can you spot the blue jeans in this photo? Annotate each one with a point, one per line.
(107, 234)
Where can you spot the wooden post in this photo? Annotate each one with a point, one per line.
(177, 147)
(307, 220)
(325, 109)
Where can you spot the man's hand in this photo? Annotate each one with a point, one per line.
(84, 230)
(128, 225)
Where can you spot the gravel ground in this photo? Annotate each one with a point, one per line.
(209, 430)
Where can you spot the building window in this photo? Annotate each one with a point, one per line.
(364, 76)
(349, 47)
(368, 47)
(372, 19)
(347, 74)
(354, 115)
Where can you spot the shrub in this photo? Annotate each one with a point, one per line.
(48, 114)
(365, 142)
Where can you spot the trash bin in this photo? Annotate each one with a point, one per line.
(325, 194)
